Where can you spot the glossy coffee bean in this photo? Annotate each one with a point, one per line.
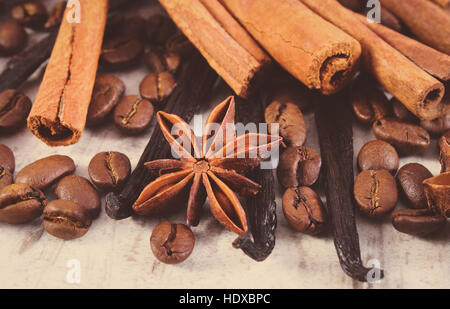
(180, 45)
(44, 172)
(410, 178)
(66, 219)
(299, 166)
(157, 87)
(31, 14)
(291, 122)
(12, 38)
(172, 243)
(304, 210)
(56, 15)
(121, 52)
(79, 190)
(14, 109)
(437, 192)
(378, 155)
(158, 61)
(6, 178)
(369, 102)
(7, 160)
(438, 126)
(108, 90)
(20, 203)
(375, 192)
(159, 28)
(417, 222)
(109, 170)
(405, 137)
(132, 114)
(402, 113)
(444, 147)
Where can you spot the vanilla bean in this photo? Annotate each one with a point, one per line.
(261, 208)
(194, 85)
(334, 125)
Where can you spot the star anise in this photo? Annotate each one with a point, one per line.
(213, 170)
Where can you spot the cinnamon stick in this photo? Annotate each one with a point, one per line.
(443, 3)
(417, 90)
(425, 20)
(432, 61)
(314, 51)
(59, 112)
(226, 47)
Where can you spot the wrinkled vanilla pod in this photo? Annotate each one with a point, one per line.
(334, 125)
(261, 208)
(195, 83)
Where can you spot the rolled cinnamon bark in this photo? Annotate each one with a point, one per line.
(426, 20)
(59, 112)
(228, 49)
(314, 51)
(416, 89)
(443, 3)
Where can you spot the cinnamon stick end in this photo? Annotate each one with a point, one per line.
(53, 132)
(431, 107)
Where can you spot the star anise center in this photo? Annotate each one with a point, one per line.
(201, 166)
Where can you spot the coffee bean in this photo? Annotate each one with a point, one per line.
(402, 113)
(437, 192)
(438, 126)
(12, 38)
(109, 170)
(56, 15)
(418, 222)
(369, 102)
(172, 243)
(159, 61)
(66, 219)
(410, 178)
(20, 203)
(299, 166)
(291, 123)
(133, 115)
(304, 210)
(107, 92)
(375, 192)
(159, 28)
(405, 137)
(79, 190)
(180, 45)
(6, 178)
(156, 87)
(31, 14)
(7, 160)
(14, 109)
(378, 155)
(44, 172)
(121, 52)
(444, 147)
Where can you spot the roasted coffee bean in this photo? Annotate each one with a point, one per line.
(7, 160)
(79, 190)
(418, 222)
(20, 203)
(180, 45)
(294, 93)
(291, 122)
(6, 178)
(31, 14)
(156, 87)
(66, 219)
(14, 109)
(304, 210)
(12, 38)
(444, 147)
(402, 113)
(44, 172)
(438, 126)
(159, 28)
(378, 155)
(369, 102)
(159, 61)
(133, 115)
(437, 192)
(121, 52)
(56, 15)
(405, 137)
(172, 243)
(375, 192)
(410, 178)
(109, 170)
(299, 166)
(108, 90)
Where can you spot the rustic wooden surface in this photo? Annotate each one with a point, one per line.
(116, 254)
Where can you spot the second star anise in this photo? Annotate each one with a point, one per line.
(214, 170)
